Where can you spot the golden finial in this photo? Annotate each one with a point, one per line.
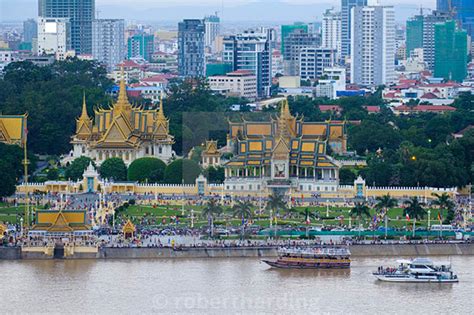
(84, 115)
(122, 101)
(161, 113)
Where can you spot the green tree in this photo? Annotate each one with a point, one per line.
(360, 210)
(242, 210)
(276, 204)
(444, 203)
(78, 166)
(147, 169)
(175, 170)
(215, 174)
(8, 182)
(53, 174)
(346, 176)
(52, 96)
(384, 204)
(113, 169)
(211, 211)
(415, 210)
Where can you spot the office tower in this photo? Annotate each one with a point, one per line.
(30, 30)
(108, 42)
(191, 57)
(212, 26)
(429, 22)
(140, 46)
(414, 34)
(331, 31)
(450, 52)
(462, 10)
(294, 42)
(313, 61)
(54, 37)
(372, 45)
(251, 51)
(346, 7)
(80, 13)
(288, 29)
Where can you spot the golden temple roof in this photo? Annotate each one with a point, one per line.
(12, 129)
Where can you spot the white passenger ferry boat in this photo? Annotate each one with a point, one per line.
(419, 270)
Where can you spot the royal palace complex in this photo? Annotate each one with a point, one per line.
(285, 153)
(124, 131)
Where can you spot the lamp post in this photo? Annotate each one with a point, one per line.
(429, 219)
(192, 218)
(21, 226)
(182, 206)
(327, 208)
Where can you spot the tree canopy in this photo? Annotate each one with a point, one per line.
(182, 167)
(52, 96)
(147, 169)
(78, 166)
(113, 169)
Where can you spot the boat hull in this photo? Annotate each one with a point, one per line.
(285, 265)
(413, 280)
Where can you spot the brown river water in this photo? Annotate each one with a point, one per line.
(222, 286)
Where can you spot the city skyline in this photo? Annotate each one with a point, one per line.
(240, 10)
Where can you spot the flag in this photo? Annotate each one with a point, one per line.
(375, 218)
(308, 220)
(408, 217)
(440, 218)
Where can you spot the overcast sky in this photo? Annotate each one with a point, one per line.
(230, 10)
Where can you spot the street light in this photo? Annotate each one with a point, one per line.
(429, 219)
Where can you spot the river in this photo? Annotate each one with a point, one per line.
(220, 286)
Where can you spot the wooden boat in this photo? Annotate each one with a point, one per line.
(312, 258)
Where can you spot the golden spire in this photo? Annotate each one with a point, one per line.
(161, 113)
(122, 101)
(84, 116)
(285, 109)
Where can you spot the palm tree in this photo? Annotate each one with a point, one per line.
(444, 202)
(244, 211)
(360, 209)
(307, 216)
(211, 210)
(274, 204)
(414, 209)
(385, 203)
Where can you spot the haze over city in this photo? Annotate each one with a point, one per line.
(229, 10)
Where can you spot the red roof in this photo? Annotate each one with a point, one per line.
(425, 108)
(129, 64)
(155, 78)
(240, 73)
(390, 95)
(440, 85)
(429, 96)
(134, 93)
(372, 108)
(330, 108)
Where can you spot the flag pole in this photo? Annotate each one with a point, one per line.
(25, 169)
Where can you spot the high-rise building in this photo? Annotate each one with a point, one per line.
(140, 46)
(54, 37)
(191, 42)
(462, 10)
(346, 7)
(30, 30)
(331, 31)
(80, 13)
(108, 41)
(251, 51)
(294, 42)
(450, 52)
(414, 34)
(313, 61)
(429, 22)
(212, 26)
(372, 45)
(288, 29)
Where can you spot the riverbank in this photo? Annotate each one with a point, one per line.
(363, 250)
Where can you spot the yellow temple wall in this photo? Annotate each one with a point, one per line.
(342, 192)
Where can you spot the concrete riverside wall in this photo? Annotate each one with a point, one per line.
(8, 253)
